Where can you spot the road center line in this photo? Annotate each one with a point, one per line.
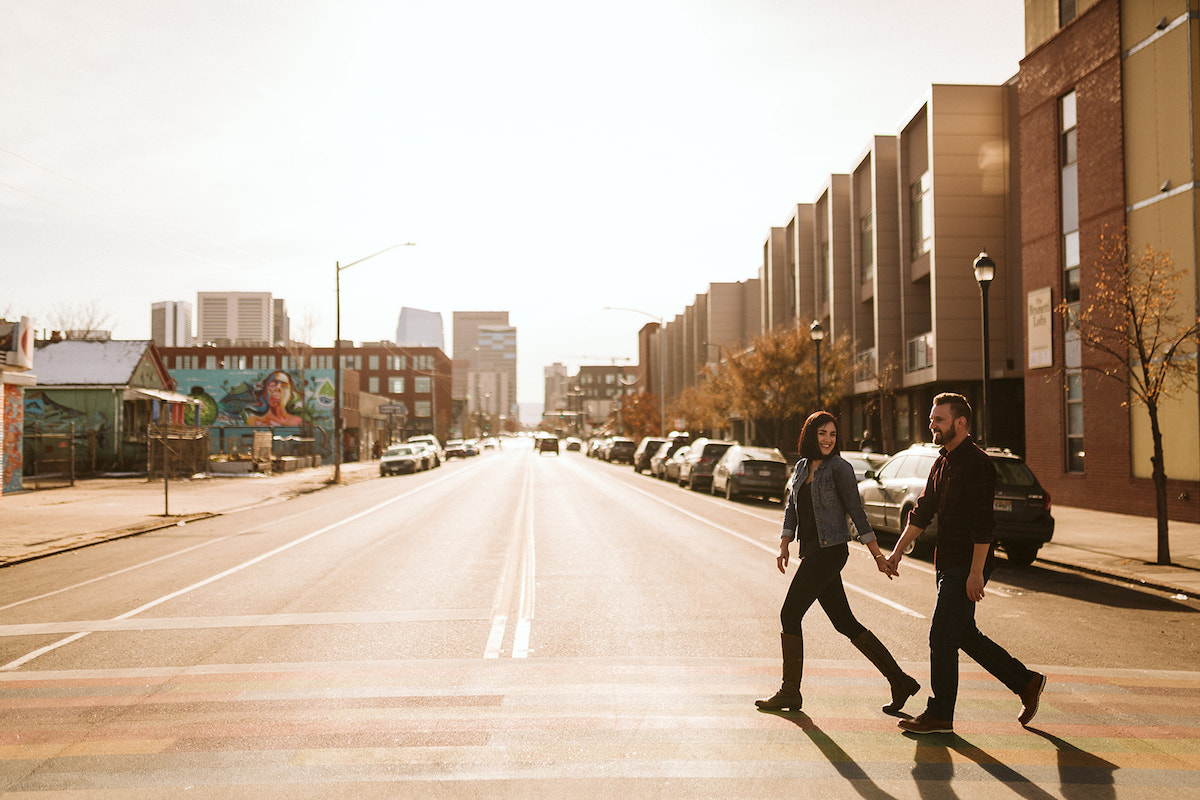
(516, 581)
(25, 659)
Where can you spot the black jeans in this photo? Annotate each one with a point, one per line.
(819, 577)
(953, 629)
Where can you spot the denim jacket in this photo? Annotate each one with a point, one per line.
(835, 495)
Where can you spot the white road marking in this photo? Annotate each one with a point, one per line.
(25, 659)
(516, 581)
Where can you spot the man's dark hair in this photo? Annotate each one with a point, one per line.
(959, 407)
(809, 448)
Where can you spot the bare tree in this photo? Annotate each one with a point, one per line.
(1133, 320)
(79, 321)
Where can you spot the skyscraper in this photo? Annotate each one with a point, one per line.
(419, 328)
(171, 323)
(246, 317)
(487, 344)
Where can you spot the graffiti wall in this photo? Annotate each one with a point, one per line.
(13, 419)
(258, 398)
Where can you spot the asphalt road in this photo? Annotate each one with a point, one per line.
(549, 626)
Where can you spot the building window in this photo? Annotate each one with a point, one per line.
(1066, 12)
(866, 245)
(396, 384)
(373, 362)
(422, 385)
(373, 384)
(921, 210)
(423, 408)
(1072, 355)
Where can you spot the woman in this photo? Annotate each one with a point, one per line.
(823, 492)
(276, 398)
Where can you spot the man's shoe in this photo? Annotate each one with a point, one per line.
(924, 723)
(1030, 698)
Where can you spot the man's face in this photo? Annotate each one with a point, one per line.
(941, 425)
(279, 389)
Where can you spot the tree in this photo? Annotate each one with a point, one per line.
(79, 321)
(1131, 319)
(639, 414)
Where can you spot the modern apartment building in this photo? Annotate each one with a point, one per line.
(235, 318)
(171, 323)
(1107, 147)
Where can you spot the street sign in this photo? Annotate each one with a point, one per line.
(392, 408)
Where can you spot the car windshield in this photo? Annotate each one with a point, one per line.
(763, 454)
(399, 451)
(1011, 472)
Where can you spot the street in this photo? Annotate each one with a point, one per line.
(524, 625)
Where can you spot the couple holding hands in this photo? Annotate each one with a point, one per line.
(959, 491)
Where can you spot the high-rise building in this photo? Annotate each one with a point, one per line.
(235, 317)
(419, 328)
(171, 323)
(283, 323)
(488, 345)
(557, 385)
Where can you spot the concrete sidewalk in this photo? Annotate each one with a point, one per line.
(39, 523)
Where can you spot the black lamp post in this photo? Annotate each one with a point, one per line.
(817, 332)
(985, 271)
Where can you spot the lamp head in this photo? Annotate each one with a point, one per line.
(985, 268)
(816, 331)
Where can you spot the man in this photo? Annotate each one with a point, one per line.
(959, 490)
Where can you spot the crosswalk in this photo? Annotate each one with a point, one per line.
(558, 728)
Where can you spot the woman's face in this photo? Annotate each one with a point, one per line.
(279, 391)
(827, 438)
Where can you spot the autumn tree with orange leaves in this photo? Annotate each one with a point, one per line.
(1142, 334)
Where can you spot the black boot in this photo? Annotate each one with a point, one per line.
(788, 697)
(903, 685)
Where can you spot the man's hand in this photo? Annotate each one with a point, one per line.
(885, 566)
(893, 561)
(975, 586)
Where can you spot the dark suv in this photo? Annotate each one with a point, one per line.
(1021, 505)
(645, 451)
(696, 471)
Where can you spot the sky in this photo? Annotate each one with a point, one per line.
(548, 158)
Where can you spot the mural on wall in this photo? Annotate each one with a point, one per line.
(258, 398)
(14, 419)
(50, 410)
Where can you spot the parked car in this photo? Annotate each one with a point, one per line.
(400, 459)
(439, 455)
(695, 472)
(658, 461)
(594, 447)
(646, 449)
(547, 444)
(574, 444)
(671, 465)
(620, 449)
(1021, 505)
(458, 448)
(863, 460)
(754, 471)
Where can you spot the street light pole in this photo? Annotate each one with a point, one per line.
(662, 365)
(337, 356)
(985, 271)
(817, 332)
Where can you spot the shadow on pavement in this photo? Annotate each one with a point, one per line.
(838, 758)
(1085, 588)
(1081, 774)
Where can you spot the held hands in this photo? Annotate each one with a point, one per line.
(885, 566)
(893, 561)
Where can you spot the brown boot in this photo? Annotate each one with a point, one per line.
(903, 685)
(788, 697)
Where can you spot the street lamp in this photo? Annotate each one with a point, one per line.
(662, 365)
(985, 271)
(337, 357)
(817, 332)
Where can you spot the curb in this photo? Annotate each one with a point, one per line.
(1117, 576)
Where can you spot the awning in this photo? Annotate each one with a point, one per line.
(160, 395)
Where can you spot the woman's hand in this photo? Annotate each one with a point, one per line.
(782, 560)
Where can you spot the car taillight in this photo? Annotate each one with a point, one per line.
(1046, 507)
(741, 469)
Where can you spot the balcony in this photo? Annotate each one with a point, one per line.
(918, 352)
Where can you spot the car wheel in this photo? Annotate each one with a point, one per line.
(1021, 554)
(729, 493)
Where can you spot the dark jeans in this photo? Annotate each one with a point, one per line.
(819, 577)
(953, 629)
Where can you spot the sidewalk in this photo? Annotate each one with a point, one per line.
(38, 523)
